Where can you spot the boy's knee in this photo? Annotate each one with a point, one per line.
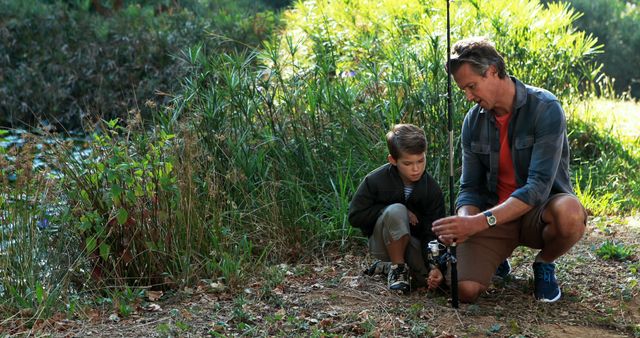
(395, 220)
(396, 211)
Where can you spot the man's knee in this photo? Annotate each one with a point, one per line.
(567, 216)
(469, 291)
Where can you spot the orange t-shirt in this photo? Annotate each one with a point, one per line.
(506, 173)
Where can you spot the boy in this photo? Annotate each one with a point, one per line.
(394, 207)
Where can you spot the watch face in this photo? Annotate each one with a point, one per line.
(492, 220)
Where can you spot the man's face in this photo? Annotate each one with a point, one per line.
(477, 88)
(410, 166)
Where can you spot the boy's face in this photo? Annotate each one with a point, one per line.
(410, 166)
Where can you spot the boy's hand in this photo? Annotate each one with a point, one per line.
(413, 220)
(435, 279)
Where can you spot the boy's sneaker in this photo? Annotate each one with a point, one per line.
(546, 285)
(398, 277)
(504, 269)
(378, 268)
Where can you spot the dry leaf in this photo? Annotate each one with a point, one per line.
(447, 335)
(364, 314)
(326, 322)
(278, 290)
(186, 314)
(153, 307)
(217, 287)
(153, 296)
(93, 315)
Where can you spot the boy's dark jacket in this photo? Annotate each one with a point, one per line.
(383, 187)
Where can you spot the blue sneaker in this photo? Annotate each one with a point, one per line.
(504, 269)
(546, 286)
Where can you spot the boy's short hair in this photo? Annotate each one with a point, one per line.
(479, 53)
(406, 138)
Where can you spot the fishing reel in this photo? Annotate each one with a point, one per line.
(437, 255)
(445, 258)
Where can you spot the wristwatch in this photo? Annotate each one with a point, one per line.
(491, 220)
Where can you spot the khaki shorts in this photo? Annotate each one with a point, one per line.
(392, 224)
(480, 255)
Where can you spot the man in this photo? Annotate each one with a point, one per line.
(515, 187)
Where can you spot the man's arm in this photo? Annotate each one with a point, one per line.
(546, 154)
(473, 179)
(470, 220)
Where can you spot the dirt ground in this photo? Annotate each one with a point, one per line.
(331, 297)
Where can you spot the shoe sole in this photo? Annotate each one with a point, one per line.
(544, 300)
(400, 287)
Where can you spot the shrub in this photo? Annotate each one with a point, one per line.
(135, 220)
(603, 159)
(61, 62)
(290, 131)
(389, 58)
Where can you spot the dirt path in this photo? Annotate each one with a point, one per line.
(332, 298)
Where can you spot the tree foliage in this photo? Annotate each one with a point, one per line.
(616, 24)
(62, 60)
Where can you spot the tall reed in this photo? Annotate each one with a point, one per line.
(35, 255)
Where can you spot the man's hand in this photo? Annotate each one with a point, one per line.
(413, 220)
(458, 228)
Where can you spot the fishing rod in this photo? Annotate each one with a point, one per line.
(453, 259)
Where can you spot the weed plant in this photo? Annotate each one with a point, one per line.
(614, 251)
(36, 256)
(138, 224)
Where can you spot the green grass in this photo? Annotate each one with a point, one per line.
(622, 117)
(605, 146)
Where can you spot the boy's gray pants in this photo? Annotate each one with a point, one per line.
(392, 224)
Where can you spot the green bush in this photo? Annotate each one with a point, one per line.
(66, 65)
(614, 251)
(389, 56)
(135, 221)
(290, 131)
(605, 168)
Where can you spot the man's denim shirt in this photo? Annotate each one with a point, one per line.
(539, 148)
